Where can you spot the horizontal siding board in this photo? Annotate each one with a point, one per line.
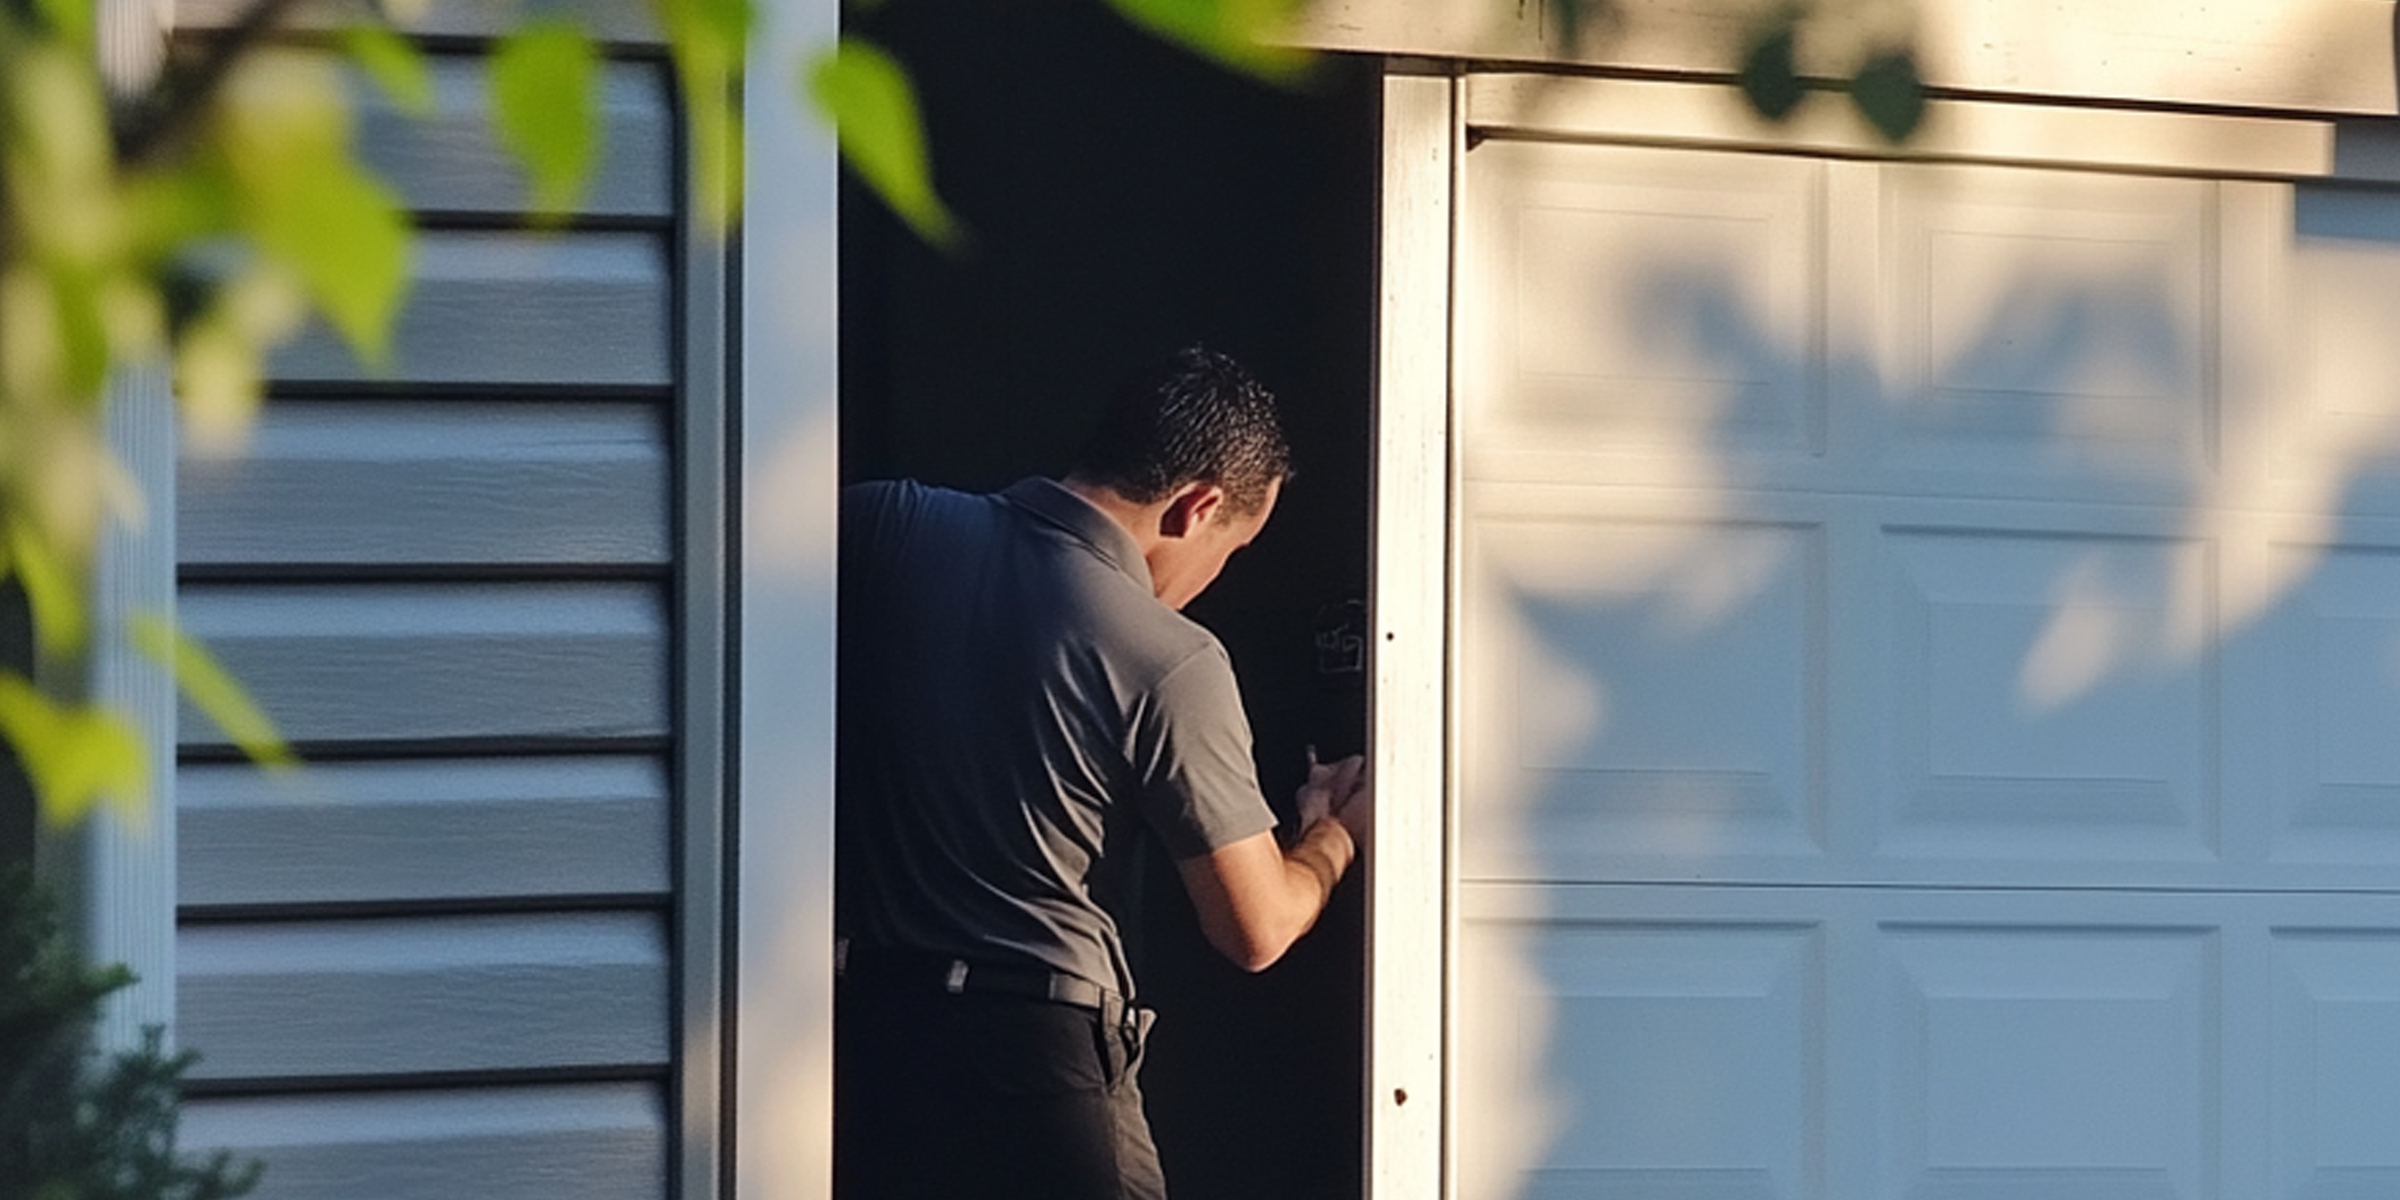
(430, 994)
(411, 662)
(422, 831)
(447, 160)
(588, 308)
(355, 482)
(564, 1142)
(626, 22)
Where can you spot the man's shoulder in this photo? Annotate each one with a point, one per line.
(906, 494)
(883, 508)
(1154, 642)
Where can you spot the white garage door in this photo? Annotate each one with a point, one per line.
(1926, 705)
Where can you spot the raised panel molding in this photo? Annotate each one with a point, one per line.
(2336, 705)
(2336, 427)
(2337, 1063)
(1638, 688)
(2050, 696)
(2040, 318)
(1641, 1059)
(2037, 1063)
(1654, 306)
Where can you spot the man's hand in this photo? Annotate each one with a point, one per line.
(1254, 898)
(1332, 789)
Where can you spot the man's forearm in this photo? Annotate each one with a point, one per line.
(1323, 850)
(1256, 898)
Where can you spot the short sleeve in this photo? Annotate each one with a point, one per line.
(1192, 751)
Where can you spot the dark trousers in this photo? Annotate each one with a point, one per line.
(980, 1096)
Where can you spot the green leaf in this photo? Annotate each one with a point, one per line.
(545, 106)
(867, 96)
(219, 382)
(60, 155)
(83, 330)
(305, 201)
(53, 588)
(212, 689)
(348, 240)
(1770, 74)
(708, 40)
(72, 20)
(1241, 34)
(1890, 94)
(394, 63)
(74, 756)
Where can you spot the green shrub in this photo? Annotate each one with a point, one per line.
(74, 1127)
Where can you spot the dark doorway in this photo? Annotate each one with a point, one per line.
(1123, 198)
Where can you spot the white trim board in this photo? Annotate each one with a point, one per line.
(2311, 56)
(1707, 114)
(781, 1115)
(1407, 870)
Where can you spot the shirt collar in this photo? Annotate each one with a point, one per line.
(1052, 502)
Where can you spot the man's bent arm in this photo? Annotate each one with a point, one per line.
(1256, 898)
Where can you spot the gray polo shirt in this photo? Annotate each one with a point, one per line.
(1015, 705)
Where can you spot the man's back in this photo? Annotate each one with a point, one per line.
(1014, 703)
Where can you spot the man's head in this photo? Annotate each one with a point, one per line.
(1195, 443)
(1196, 417)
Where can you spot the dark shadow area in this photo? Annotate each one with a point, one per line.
(17, 814)
(1122, 198)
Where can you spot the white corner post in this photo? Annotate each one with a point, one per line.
(781, 1116)
(116, 870)
(1407, 868)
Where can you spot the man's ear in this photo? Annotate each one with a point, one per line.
(1190, 509)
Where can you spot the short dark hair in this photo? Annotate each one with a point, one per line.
(1194, 417)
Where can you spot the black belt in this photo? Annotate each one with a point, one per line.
(930, 971)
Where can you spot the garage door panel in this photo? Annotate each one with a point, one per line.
(1900, 1043)
(2337, 1063)
(2050, 697)
(1675, 299)
(2337, 707)
(2044, 322)
(2053, 1061)
(2337, 432)
(1606, 1053)
(1640, 688)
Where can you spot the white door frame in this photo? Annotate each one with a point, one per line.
(1408, 866)
(780, 1041)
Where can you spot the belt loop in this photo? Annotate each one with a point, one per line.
(958, 976)
(841, 957)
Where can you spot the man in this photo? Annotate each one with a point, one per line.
(1020, 699)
